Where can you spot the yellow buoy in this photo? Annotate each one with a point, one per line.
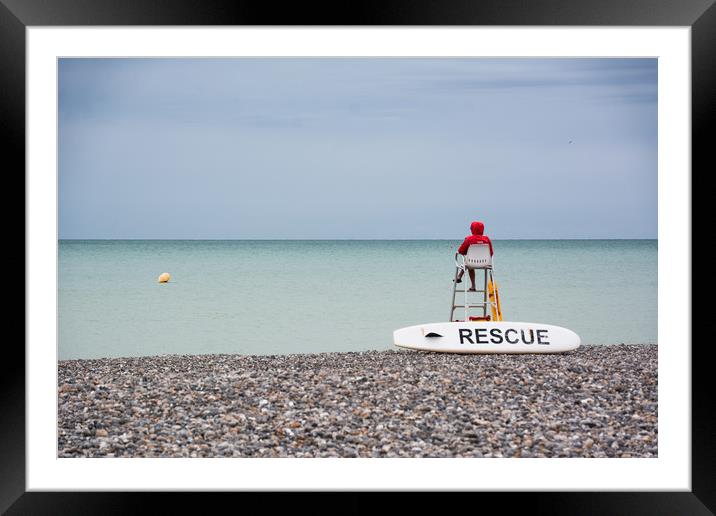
(164, 277)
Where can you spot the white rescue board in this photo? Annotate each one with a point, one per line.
(487, 337)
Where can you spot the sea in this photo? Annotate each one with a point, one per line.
(274, 297)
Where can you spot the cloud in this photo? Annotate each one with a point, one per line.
(358, 142)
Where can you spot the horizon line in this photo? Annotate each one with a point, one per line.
(355, 239)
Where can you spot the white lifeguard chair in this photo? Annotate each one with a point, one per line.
(478, 257)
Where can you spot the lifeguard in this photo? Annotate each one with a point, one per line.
(477, 228)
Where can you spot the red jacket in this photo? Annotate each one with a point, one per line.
(477, 237)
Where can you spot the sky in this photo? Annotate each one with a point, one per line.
(357, 148)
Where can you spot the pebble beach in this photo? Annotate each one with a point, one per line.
(598, 401)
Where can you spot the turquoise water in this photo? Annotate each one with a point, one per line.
(276, 297)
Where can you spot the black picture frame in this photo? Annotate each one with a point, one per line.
(16, 15)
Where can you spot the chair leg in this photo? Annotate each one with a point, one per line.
(454, 293)
(464, 289)
(485, 297)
